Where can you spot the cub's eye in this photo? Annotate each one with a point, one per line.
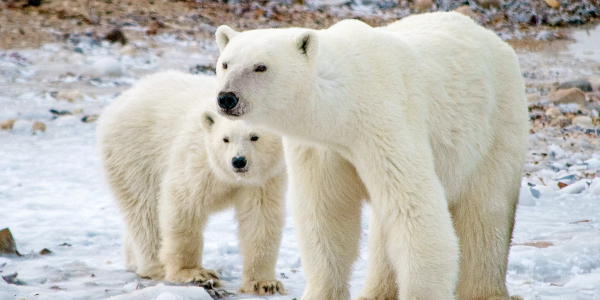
(224, 66)
(254, 138)
(226, 140)
(260, 68)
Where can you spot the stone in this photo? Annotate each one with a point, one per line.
(583, 121)
(89, 119)
(552, 113)
(553, 3)
(467, 11)
(69, 95)
(594, 81)
(7, 124)
(116, 35)
(487, 4)
(534, 98)
(423, 5)
(572, 95)
(561, 121)
(38, 126)
(581, 84)
(7, 243)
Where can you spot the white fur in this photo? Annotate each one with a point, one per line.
(169, 168)
(424, 118)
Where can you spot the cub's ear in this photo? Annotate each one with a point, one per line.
(224, 34)
(208, 120)
(307, 43)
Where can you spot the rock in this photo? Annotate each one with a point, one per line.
(561, 121)
(116, 35)
(553, 3)
(69, 95)
(534, 98)
(89, 119)
(467, 11)
(45, 251)
(572, 95)
(60, 112)
(487, 4)
(594, 81)
(7, 124)
(552, 113)
(38, 126)
(581, 84)
(7, 243)
(107, 66)
(422, 5)
(34, 2)
(583, 121)
(128, 50)
(154, 26)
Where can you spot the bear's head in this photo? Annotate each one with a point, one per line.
(266, 76)
(237, 152)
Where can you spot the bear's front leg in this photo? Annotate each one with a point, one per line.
(326, 195)
(182, 242)
(260, 212)
(419, 240)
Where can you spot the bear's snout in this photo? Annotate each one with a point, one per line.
(239, 163)
(227, 100)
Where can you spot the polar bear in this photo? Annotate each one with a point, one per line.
(424, 118)
(171, 162)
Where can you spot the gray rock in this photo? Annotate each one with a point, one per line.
(581, 84)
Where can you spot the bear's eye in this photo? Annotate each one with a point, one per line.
(224, 66)
(254, 138)
(226, 140)
(260, 68)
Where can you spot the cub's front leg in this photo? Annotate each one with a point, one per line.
(182, 220)
(260, 212)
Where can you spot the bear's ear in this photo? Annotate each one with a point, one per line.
(307, 43)
(208, 120)
(224, 34)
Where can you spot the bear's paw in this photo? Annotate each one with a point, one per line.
(195, 275)
(262, 287)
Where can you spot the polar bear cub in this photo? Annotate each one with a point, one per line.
(424, 118)
(171, 162)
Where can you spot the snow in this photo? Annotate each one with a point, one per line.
(53, 195)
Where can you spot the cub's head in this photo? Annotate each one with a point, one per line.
(265, 76)
(237, 152)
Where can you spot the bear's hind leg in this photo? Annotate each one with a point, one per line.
(483, 220)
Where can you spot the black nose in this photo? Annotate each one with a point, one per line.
(227, 100)
(238, 162)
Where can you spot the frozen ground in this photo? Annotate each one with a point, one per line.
(52, 194)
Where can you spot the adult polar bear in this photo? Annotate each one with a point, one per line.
(428, 113)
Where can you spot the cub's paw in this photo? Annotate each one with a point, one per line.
(262, 287)
(196, 275)
(152, 272)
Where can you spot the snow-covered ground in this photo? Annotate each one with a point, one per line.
(53, 195)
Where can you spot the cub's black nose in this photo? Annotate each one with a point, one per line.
(227, 100)
(238, 162)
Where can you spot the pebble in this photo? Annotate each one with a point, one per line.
(561, 121)
(116, 35)
(582, 84)
(7, 124)
(594, 81)
(534, 98)
(7, 242)
(423, 5)
(38, 126)
(583, 121)
(467, 11)
(69, 95)
(553, 3)
(552, 112)
(89, 119)
(487, 4)
(107, 67)
(572, 95)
